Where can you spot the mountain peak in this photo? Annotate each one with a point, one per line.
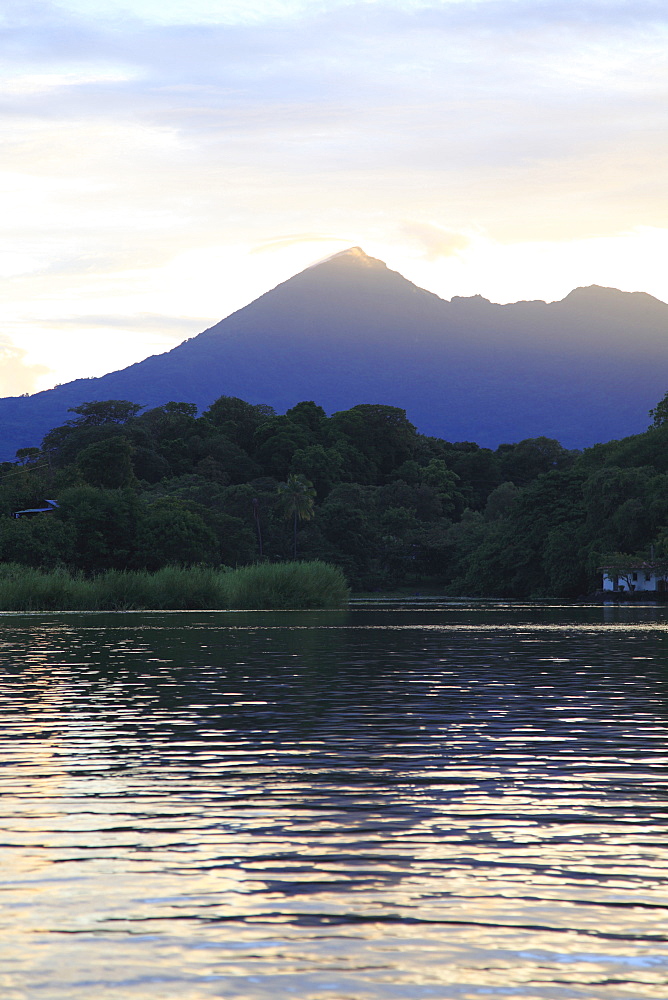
(600, 297)
(352, 256)
(592, 293)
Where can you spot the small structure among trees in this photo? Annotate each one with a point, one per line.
(46, 507)
(629, 574)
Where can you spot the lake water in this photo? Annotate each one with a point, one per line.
(395, 802)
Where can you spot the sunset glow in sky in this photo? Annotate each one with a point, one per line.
(164, 162)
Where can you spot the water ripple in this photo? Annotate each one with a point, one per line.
(444, 800)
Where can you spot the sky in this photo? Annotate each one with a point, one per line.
(164, 162)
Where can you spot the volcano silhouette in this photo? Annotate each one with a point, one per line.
(349, 330)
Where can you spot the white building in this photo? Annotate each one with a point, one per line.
(636, 576)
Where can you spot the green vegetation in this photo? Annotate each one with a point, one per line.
(361, 490)
(297, 499)
(290, 585)
(286, 585)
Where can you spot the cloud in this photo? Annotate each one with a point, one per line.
(16, 375)
(282, 242)
(383, 87)
(177, 155)
(312, 94)
(434, 240)
(167, 326)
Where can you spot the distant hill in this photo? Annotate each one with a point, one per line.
(349, 330)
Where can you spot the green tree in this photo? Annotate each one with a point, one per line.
(297, 498)
(625, 507)
(106, 411)
(522, 462)
(276, 441)
(232, 461)
(253, 502)
(107, 463)
(43, 542)
(309, 415)
(323, 466)
(382, 434)
(180, 409)
(445, 483)
(210, 501)
(168, 532)
(237, 419)
(478, 470)
(566, 572)
(509, 559)
(104, 523)
(166, 441)
(62, 444)
(347, 534)
(28, 455)
(659, 413)
(399, 536)
(500, 500)
(149, 465)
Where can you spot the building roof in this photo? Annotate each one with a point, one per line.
(620, 566)
(48, 505)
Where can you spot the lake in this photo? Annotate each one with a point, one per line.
(403, 800)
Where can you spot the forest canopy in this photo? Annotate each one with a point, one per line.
(360, 489)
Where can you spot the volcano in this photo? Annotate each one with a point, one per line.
(349, 330)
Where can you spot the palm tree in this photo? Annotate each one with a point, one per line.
(258, 526)
(297, 500)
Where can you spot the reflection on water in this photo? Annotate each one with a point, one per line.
(443, 801)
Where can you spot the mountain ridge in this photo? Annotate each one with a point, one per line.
(348, 329)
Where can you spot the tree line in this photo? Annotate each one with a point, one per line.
(360, 489)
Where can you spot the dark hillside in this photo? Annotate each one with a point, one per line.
(349, 330)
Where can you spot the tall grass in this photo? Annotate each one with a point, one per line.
(285, 585)
(25, 589)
